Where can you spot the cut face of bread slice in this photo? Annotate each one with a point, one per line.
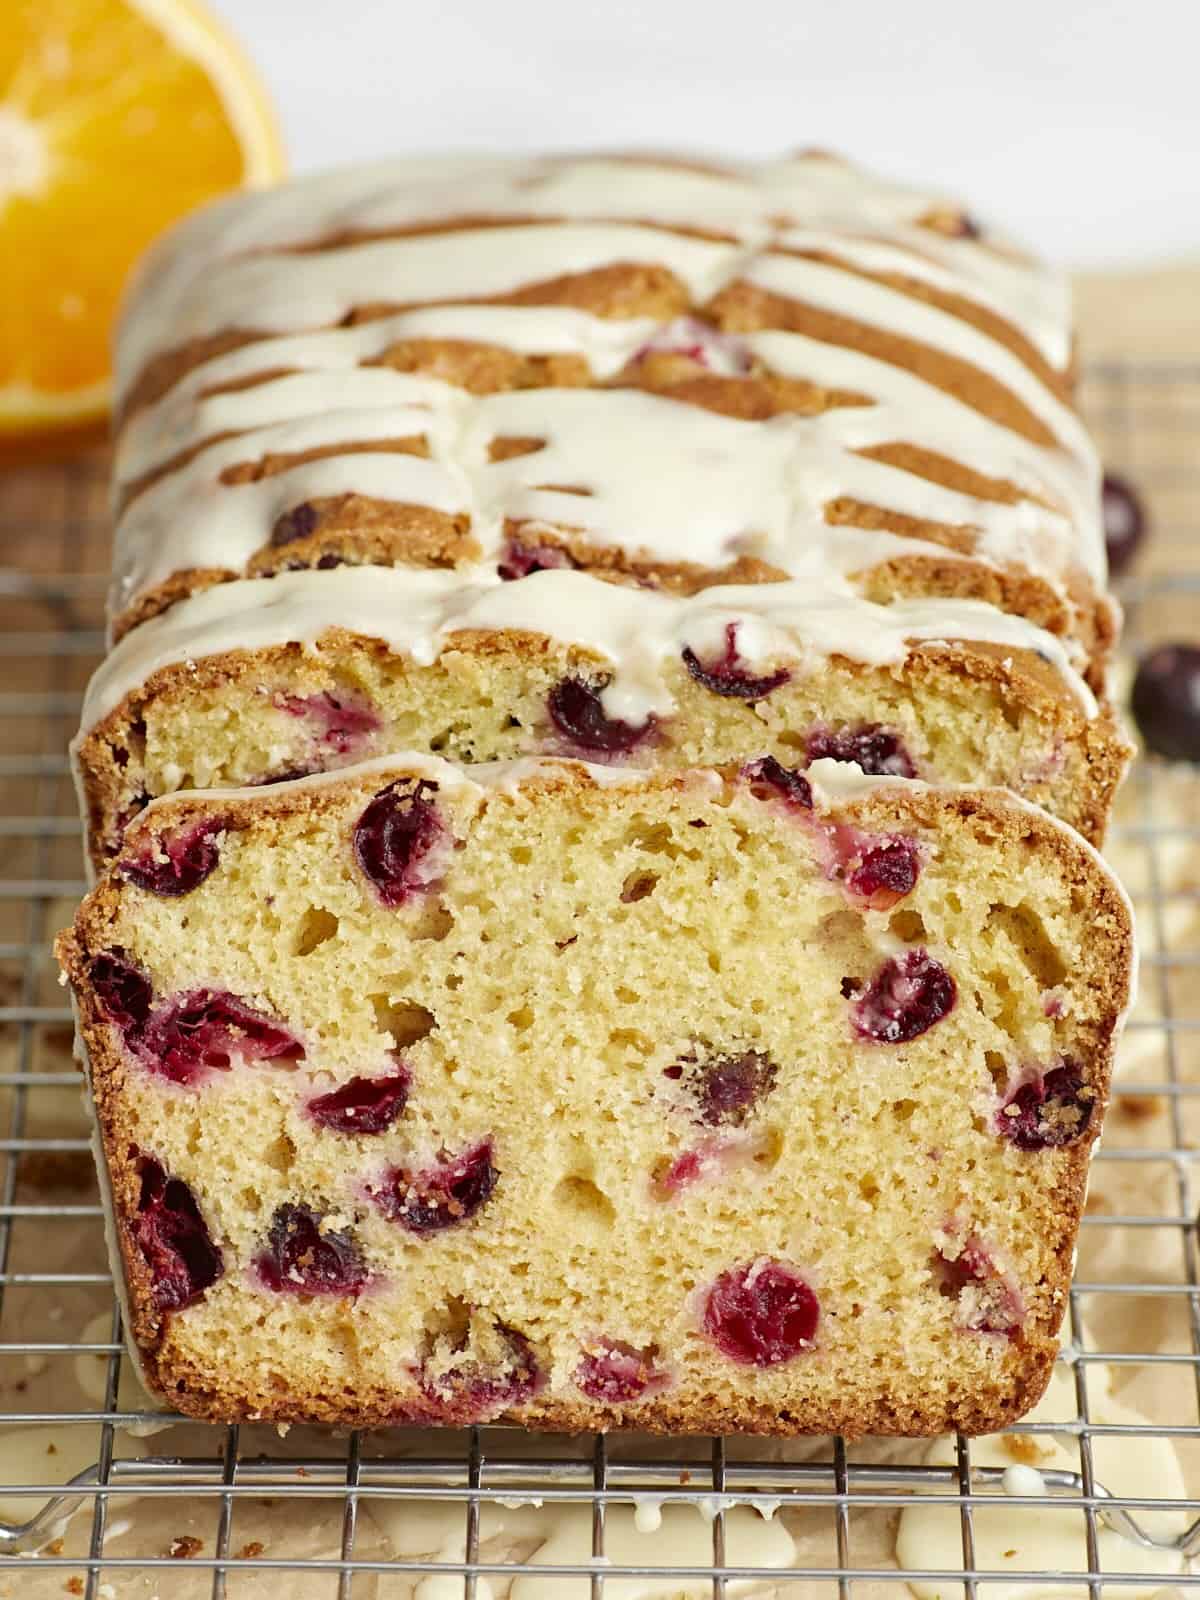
(750, 1100)
(256, 682)
(688, 377)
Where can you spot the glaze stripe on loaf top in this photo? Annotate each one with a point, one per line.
(892, 385)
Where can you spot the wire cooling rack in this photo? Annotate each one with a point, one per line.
(246, 1512)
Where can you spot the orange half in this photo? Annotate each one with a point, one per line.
(116, 117)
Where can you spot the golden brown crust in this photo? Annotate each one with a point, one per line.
(1024, 1371)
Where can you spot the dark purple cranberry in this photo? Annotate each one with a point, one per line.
(577, 712)
(175, 863)
(295, 524)
(905, 997)
(122, 989)
(519, 560)
(726, 1089)
(201, 1031)
(885, 874)
(364, 1105)
(328, 562)
(343, 721)
(174, 1239)
(394, 837)
(725, 677)
(769, 780)
(1124, 523)
(878, 751)
(473, 1393)
(761, 1314)
(991, 1302)
(443, 1195)
(1166, 701)
(1047, 1110)
(302, 1258)
(614, 1372)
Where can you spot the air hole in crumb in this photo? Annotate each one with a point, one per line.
(454, 980)
(907, 925)
(451, 1321)
(1031, 942)
(768, 1147)
(316, 926)
(250, 1200)
(902, 1110)
(844, 924)
(627, 997)
(637, 886)
(585, 1201)
(654, 837)
(280, 1153)
(522, 854)
(433, 921)
(521, 1019)
(404, 1020)
(868, 1188)
(998, 1068)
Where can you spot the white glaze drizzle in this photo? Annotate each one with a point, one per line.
(681, 482)
(752, 202)
(636, 631)
(677, 482)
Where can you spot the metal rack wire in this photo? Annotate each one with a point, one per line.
(320, 1496)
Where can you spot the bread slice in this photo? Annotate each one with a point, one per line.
(719, 1101)
(256, 681)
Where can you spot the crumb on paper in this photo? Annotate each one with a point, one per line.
(185, 1547)
(74, 1586)
(1137, 1107)
(248, 1552)
(1026, 1448)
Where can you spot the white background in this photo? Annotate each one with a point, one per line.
(1073, 122)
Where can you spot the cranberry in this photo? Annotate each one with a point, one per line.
(344, 721)
(725, 677)
(885, 874)
(991, 1302)
(761, 1314)
(726, 1089)
(364, 1105)
(576, 711)
(1124, 523)
(1166, 701)
(302, 1258)
(176, 863)
(905, 997)
(877, 751)
(443, 1195)
(519, 560)
(174, 1239)
(769, 780)
(122, 989)
(474, 1393)
(1047, 1110)
(201, 1031)
(295, 524)
(614, 1372)
(394, 838)
(699, 341)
